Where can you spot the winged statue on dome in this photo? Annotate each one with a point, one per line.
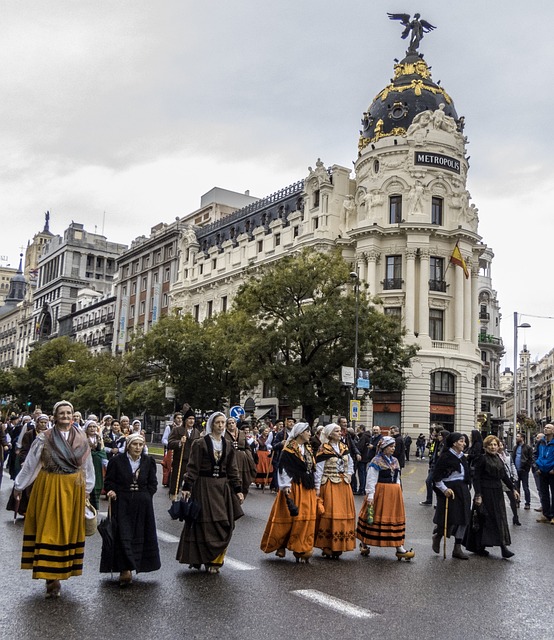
(416, 26)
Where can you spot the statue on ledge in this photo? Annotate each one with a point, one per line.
(416, 26)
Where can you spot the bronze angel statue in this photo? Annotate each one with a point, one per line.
(416, 26)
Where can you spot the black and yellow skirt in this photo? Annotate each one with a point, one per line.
(54, 531)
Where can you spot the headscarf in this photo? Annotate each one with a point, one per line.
(88, 423)
(452, 438)
(132, 438)
(385, 442)
(62, 403)
(211, 419)
(298, 428)
(327, 430)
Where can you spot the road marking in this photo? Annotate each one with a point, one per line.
(238, 565)
(336, 604)
(166, 537)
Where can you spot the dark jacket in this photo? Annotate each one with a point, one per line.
(526, 456)
(399, 450)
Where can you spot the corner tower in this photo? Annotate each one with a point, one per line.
(414, 215)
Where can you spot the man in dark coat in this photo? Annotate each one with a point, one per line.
(180, 442)
(399, 451)
(522, 455)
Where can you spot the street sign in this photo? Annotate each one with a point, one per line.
(355, 406)
(347, 375)
(363, 379)
(236, 412)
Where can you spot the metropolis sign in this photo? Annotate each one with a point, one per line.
(437, 160)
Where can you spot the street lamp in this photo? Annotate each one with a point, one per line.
(73, 362)
(356, 279)
(524, 325)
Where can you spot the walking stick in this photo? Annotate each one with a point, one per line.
(445, 527)
(176, 494)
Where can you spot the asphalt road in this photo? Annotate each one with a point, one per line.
(259, 596)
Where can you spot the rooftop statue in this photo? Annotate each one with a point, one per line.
(416, 26)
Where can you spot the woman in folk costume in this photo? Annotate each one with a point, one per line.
(99, 458)
(336, 527)
(212, 480)
(264, 472)
(131, 483)
(60, 465)
(382, 520)
(245, 459)
(297, 494)
(452, 479)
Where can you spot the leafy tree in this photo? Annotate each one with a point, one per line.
(53, 371)
(295, 327)
(184, 354)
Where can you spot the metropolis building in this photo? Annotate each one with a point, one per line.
(404, 220)
(400, 218)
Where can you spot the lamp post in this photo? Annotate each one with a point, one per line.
(356, 279)
(73, 362)
(524, 325)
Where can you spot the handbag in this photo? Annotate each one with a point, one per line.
(91, 523)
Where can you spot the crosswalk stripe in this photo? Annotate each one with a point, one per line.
(166, 537)
(336, 604)
(238, 565)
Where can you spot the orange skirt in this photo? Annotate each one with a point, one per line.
(264, 472)
(282, 531)
(336, 528)
(389, 518)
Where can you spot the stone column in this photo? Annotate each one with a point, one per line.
(474, 304)
(423, 296)
(468, 304)
(459, 304)
(410, 291)
(372, 259)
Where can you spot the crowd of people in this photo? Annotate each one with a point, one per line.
(61, 462)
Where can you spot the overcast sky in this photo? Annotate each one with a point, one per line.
(128, 111)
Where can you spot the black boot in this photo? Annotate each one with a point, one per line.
(516, 521)
(506, 553)
(436, 546)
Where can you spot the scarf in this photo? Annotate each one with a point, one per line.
(69, 455)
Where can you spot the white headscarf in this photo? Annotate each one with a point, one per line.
(211, 421)
(327, 430)
(298, 428)
(132, 437)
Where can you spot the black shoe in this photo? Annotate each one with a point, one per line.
(506, 553)
(436, 545)
(527, 507)
(516, 521)
(481, 552)
(426, 503)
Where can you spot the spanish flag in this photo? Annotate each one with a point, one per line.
(457, 259)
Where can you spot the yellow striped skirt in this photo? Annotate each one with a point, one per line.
(54, 531)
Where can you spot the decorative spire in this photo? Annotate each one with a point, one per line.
(47, 221)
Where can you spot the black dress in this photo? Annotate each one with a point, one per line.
(136, 545)
(489, 476)
(459, 509)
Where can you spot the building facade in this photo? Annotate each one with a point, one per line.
(68, 264)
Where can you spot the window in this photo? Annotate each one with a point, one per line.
(200, 269)
(436, 210)
(395, 209)
(167, 273)
(269, 390)
(143, 284)
(316, 198)
(133, 288)
(484, 384)
(436, 324)
(223, 303)
(436, 274)
(442, 382)
(209, 309)
(393, 274)
(483, 313)
(155, 277)
(295, 231)
(277, 239)
(196, 312)
(214, 263)
(260, 246)
(394, 312)
(165, 300)
(142, 308)
(316, 223)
